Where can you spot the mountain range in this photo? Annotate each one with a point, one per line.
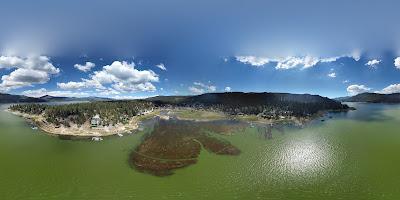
(372, 98)
(11, 98)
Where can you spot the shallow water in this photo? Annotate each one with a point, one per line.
(351, 156)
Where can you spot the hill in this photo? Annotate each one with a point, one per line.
(254, 103)
(10, 98)
(372, 98)
(48, 98)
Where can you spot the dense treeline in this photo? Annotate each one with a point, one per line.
(111, 112)
(267, 105)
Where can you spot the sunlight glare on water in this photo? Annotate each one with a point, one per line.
(303, 157)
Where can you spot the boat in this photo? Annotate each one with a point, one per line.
(34, 128)
(97, 139)
(120, 135)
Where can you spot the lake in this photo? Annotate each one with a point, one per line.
(354, 155)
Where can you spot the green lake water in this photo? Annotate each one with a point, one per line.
(351, 156)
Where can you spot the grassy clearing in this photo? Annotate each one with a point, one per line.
(192, 114)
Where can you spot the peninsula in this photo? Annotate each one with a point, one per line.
(103, 118)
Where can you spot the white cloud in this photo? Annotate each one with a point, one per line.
(86, 67)
(393, 88)
(345, 81)
(120, 76)
(134, 87)
(199, 88)
(196, 90)
(28, 71)
(356, 55)
(161, 66)
(107, 92)
(72, 85)
(127, 97)
(253, 60)
(210, 88)
(332, 75)
(228, 89)
(397, 62)
(291, 62)
(357, 89)
(42, 92)
(373, 63)
(304, 62)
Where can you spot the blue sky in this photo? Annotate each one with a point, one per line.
(134, 49)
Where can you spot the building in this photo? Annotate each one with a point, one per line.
(95, 121)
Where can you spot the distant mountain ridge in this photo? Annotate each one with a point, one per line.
(49, 98)
(10, 98)
(241, 98)
(372, 98)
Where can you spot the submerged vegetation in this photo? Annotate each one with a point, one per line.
(176, 144)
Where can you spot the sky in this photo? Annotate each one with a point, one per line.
(135, 49)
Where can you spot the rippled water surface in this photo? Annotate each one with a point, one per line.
(350, 156)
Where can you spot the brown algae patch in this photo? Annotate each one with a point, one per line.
(175, 144)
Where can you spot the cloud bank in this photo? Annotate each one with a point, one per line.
(27, 71)
(115, 78)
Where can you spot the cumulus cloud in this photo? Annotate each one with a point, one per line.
(28, 71)
(42, 92)
(252, 60)
(393, 88)
(72, 85)
(397, 62)
(332, 75)
(356, 55)
(86, 67)
(196, 90)
(161, 66)
(228, 89)
(357, 89)
(290, 62)
(373, 63)
(119, 76)
(200, 88)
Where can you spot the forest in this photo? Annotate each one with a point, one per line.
(266, 105)
(111, 112)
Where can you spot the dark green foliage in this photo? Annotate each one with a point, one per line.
(111, 112)
(35, 109)
(268, 104)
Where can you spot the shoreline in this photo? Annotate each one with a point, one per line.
(190, 114)
(84, 130)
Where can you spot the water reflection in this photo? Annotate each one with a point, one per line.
(367, 111)
(303, 157)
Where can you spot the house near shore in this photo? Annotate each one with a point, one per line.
(95, 121)
(145, 112)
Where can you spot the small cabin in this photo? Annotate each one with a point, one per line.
(95, 121)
